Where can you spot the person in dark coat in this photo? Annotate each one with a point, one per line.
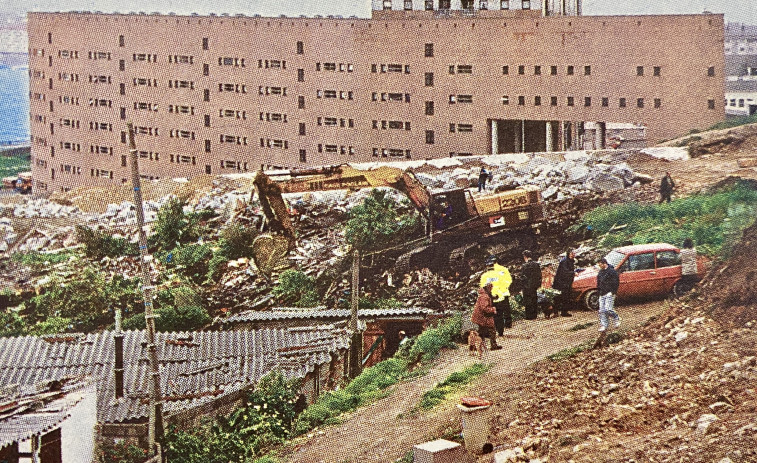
(483, 176)
(666, 188)
(483, 315)
(563, 282)
(608, 282)
(531, 279)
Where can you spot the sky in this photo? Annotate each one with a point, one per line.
(735, 10)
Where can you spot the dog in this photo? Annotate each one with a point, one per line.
(476, 345)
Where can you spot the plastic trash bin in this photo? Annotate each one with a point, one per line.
(475, 427)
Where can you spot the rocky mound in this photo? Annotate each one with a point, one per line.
(681, 388)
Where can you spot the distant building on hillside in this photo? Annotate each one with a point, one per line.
(741, 84)
(420, 79)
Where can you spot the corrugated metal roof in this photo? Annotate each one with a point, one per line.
(281, 314)
(42, 415)
(192, 364)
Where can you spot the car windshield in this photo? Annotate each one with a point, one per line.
(614, 257)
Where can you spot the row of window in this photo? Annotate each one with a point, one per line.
(143, 130)
(99, 55)
(398, 125)
(391, 153)
(333, 149)
(587, 101)
(273, 117)
(232, 88)
(70, 77)
(341, 94)
(181, 109)
(238, 165)
(553, 70)
(234, 139)
(271, 90)
(386, 68)
(445, 5)
(334, 122)
(235, 113)
(101, 149)
(341, 67)
(274, 143)
(462, 128)
(384, 96)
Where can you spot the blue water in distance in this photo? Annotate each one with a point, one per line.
(14, 106)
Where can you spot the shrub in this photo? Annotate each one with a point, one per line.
(173, 227)
(36, 259)
(296, 288)
(98, 244)
(181, 309)
(121, 452)
(11, 324)
(376, 222)
(428, 344)
(191, 260)
(52, 325)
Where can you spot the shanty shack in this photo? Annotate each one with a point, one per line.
(383, 328)
(202, 373)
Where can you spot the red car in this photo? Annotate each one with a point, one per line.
(645, 270)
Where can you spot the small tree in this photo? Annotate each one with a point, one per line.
(377, 222)
(296, 288)
(174, 227)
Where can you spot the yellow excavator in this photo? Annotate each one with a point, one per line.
(456, 216)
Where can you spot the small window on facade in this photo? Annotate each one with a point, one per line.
(123, 113)
(387, 4)
(207, 146)
(429, 50)
(302, 128)
(204, 43)
(639, 70)
(301, 102)
(640, 102)
(505, 70)
(656, 71)
(300, 48)
(553, 70)
(553, 101)
(408, 5)
(504, 4)
(521, 100)
(521, 69)
(207, 120)
(587, 101)
(122, 89)
(206, 95)
(206, 69)
(121, 41)
(526, 4)
(429, 137)
(429, 79)
(429, 108)
(711, 71)
(710, 104)
(622, 103)
(505, 99)
(537, 70)
(452, 128)
(570, 71)
(300, 75)
(571, 101)
(429, 5)
(657, 103)
(451, 69)
(121, 65)
(537, 101)
(587, 70)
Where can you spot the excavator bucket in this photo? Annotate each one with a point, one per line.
(269, 251)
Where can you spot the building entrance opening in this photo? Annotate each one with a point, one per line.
(523, 136)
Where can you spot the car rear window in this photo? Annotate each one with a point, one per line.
(668, 259)
(641, 262)
(614, 257)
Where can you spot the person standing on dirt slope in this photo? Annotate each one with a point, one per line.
(563, 282)
(501, 281)
(607, 284)
(666, 188)
(689, 275)
(531, 278)
(483, 176)
(483, 314)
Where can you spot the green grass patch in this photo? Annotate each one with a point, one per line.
(734, 122)
(10, 166)
(714, 220)
(571, 351)
(454, 382)
(581, 326)
(39, 260)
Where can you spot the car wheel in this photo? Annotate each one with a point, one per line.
(680, 288)
(590, 299)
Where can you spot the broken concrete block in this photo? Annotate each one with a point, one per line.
(438, 451)
(605, 183)
(743, 163)
(509, 455)
(704, 422)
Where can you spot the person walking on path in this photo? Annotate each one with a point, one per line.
(563, 282)
(531, 277)
(689, 275)
(483, 315)
(607, 283)
(483, 176)
(501, 280)
(666, 188)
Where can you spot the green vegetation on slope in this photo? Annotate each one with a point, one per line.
(10, 166)
(455, 381)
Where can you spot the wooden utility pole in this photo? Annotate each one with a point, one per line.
(155, 425)
(356, 345)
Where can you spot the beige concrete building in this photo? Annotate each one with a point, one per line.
(420, 79)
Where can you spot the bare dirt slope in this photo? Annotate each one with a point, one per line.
(379, 434)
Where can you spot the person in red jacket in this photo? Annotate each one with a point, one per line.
(483, 315)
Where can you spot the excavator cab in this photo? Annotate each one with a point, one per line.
(449, 208)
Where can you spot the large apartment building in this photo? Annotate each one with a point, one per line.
(420, 79)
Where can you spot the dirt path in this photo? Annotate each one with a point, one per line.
(385, 430)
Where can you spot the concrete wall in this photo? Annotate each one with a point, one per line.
(683, 47)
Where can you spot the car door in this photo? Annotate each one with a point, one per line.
(638, 276)
(668, 270)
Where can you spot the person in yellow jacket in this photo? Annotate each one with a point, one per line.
(501, 280)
